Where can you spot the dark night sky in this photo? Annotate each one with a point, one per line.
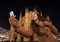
(48, 7)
